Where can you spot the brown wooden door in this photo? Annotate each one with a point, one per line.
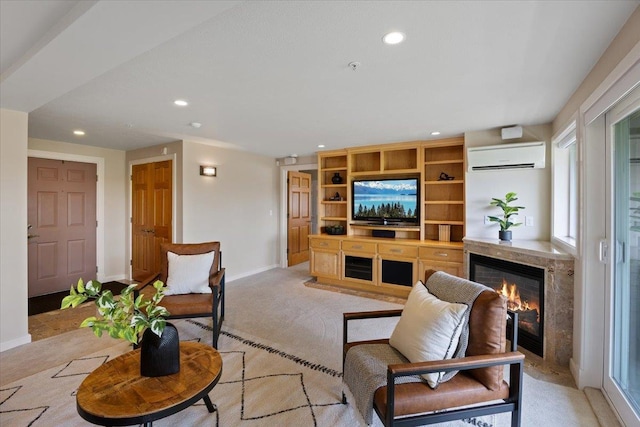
(151, 216)
(298, 216)
(62, 213)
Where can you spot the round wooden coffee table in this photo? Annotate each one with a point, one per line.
(115, 394)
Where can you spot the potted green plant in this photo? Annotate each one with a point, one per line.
(507, 212)
(135, 319)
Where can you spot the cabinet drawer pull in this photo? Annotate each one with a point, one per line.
(441, 254)
(357, 246)
(396, 251)
(324, 244)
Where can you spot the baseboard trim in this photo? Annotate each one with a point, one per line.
(250, 273)
(4, 346)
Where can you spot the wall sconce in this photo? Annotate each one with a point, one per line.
(208, 170)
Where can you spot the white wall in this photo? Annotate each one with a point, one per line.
(239, 207)
(533, 187)
(115, 219)
(589, 279)
(13, 230)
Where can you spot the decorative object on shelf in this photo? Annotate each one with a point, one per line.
(444, 177)
(336, 178)
(334, 229)
(507, 212)
(336, 197)
(129, 317)
(444, 232)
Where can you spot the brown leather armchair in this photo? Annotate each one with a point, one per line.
(194, 305)
(479, 381)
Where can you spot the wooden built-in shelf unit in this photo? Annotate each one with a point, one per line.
(420, 246)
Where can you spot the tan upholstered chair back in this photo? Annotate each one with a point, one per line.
(488, 335)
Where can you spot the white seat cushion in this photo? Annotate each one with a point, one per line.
(189, 274)
(428, 329)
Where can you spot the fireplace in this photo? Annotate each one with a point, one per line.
(523, 285)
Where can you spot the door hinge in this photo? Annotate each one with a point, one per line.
(287, 251)
(96, 178)
(96, 224)
(131, 219)
(131, 262)
(96, 268)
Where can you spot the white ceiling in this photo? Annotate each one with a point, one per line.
(273, 77)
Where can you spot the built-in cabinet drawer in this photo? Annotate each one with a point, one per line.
(364, 247)
(398, 250)
(441, 254)
(453, 268)
(386, 266)
(329, 244)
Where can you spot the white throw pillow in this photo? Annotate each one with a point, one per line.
(189, 274)
(428, 329)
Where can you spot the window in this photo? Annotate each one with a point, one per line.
(565, 188)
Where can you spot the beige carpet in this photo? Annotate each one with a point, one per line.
(281, 343)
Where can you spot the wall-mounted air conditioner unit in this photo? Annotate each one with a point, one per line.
(524, 155)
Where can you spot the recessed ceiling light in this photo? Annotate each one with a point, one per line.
(393, 38)
(435, 132)
(78, 132)
(181, 102)
(196, 125)
(320, 145)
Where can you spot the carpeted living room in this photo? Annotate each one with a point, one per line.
(437, 180)
(282, 364)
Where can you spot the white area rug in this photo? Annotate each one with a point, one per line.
(281, 351)
(260, 385)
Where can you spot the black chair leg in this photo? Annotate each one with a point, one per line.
(214, 338)
(344, 398)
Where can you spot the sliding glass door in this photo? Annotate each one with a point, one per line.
(622, 346)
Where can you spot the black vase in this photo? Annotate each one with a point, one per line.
(336, 178)
(160, 356)
(505, 235)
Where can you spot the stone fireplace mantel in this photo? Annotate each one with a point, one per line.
(558, 294)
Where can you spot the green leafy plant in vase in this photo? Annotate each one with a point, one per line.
(124, 317)
(135, 319)
(508, 211)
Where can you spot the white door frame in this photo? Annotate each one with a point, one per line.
(282, 244)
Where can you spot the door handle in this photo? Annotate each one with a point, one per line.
(29, 235)
(603, 251)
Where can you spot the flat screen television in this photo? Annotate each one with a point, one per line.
(396, 200)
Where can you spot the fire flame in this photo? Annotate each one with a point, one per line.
(514, 302)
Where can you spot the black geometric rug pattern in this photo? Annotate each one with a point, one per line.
(32, 414)
(275, 379)
(248, 377)
(77, 367)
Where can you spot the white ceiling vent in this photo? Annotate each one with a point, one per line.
(525, 155)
